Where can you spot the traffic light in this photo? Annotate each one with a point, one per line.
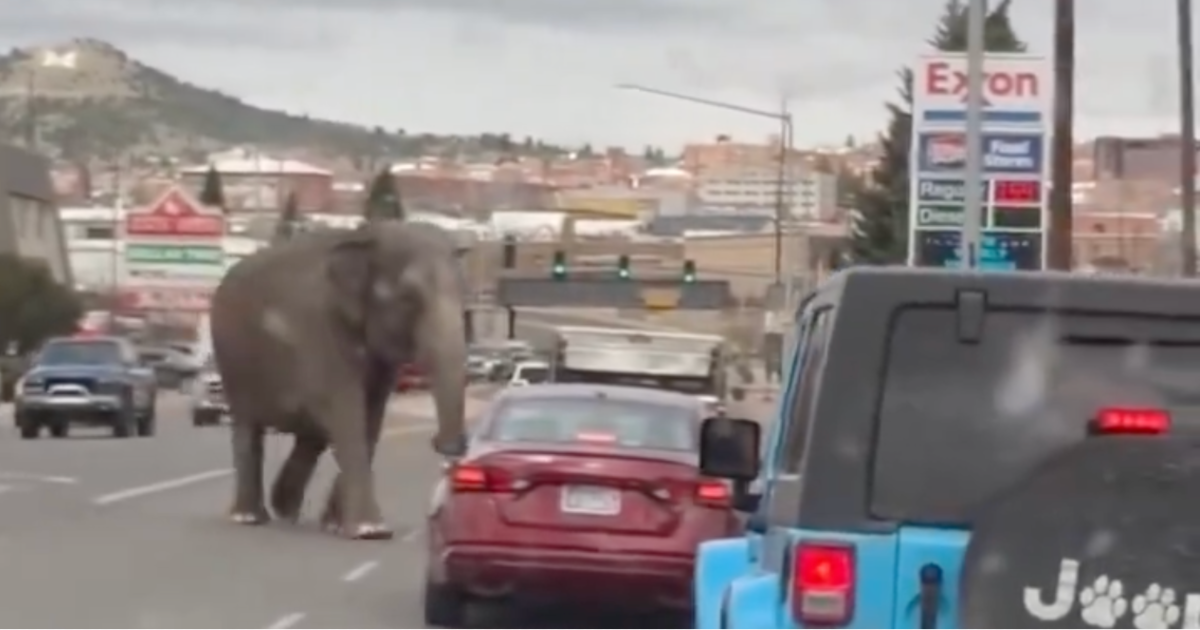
(689, 271)
(510, 251)
(623, 267)
(559, 270)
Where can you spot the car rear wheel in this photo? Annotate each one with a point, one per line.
(125, 424)
(30, 430)
(445, 605)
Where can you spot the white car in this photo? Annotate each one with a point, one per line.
(529, 373)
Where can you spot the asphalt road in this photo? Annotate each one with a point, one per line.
(104, 533)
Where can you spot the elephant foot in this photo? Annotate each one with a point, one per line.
(370, 531)
(250, 517)
(361, 531)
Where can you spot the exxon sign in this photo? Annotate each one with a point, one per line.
(1016, 89)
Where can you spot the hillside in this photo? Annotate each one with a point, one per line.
(91, 100)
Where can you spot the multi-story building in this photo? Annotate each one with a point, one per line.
(253, 182)
(29, 222)
(742, 176)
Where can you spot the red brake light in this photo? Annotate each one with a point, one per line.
(823, 584)
(1127, 421)
(471, 478)
(713, 493)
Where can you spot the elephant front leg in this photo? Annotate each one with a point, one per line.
(352, 508)
(334, 516)
(248, 507)
(287, 493)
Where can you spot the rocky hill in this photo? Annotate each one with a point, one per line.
(90, 100)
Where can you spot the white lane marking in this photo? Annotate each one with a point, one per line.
(5, 489)
(26, 476)
(288, 621)
(411, 536)
(361, 571)
(161, 486)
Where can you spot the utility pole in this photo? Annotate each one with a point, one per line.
(31, 112)
(1187, 138)
(1061, 233)
(973, 185)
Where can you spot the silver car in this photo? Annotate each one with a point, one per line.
(208, 397)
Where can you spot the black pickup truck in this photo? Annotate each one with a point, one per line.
(89, 381)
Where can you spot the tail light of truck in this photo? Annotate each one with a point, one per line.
(823, 584)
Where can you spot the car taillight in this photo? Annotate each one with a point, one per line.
(713, 494)
(823, 581)
(1135, 421)
(472, 478)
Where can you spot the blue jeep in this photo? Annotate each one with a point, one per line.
(960, 450)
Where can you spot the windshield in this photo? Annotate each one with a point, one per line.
(697, 386)
(80, 353)
(960, 421)
(628, 424)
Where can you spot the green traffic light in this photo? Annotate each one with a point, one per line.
(689, 271)
(623, 267)
(559, 268)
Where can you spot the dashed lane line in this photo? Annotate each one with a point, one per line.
(290, 620)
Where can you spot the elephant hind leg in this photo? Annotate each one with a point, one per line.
(248, 507)
(287, 493)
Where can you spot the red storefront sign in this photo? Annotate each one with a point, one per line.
(175, 214)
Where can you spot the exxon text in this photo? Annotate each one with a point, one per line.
(945, 79)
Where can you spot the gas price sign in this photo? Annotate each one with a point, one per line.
(1016, 192)
(1016, 205)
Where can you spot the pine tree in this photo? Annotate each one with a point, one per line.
(212, 193)
(383, 200)
(288, 224)
(879, 229)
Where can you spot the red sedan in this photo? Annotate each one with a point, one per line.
(411, 377)
(575, 494)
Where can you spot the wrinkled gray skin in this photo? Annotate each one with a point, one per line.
(308, 336)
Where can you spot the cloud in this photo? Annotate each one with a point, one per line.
(546, 67)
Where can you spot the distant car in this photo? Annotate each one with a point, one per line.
(173, 368)
(207, 397)
(577, 494)
(90, 381)
(411, 377)
(529, 373)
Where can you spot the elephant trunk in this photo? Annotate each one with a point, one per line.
(444, 348)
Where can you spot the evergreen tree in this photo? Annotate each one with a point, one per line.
(212, 194)
(879, 229)
(288, 224)
(383, 200)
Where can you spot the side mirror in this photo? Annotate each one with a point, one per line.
(729, 448)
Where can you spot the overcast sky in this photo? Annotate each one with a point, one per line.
(546, 67)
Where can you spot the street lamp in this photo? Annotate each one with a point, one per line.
(786, 146)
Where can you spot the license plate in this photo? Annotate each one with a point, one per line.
(590, 500)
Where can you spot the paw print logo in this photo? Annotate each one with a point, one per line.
(1155, 608)
(1103, 603)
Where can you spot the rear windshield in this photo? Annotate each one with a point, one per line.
(960, 421)
(534, 374)
(595, 421)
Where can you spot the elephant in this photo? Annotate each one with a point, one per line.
(308, 335)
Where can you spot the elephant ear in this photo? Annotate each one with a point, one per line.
(351, 271)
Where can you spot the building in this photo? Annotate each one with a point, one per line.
(1137, 158)
(253, 182)
(743, 176)
(29, 222)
